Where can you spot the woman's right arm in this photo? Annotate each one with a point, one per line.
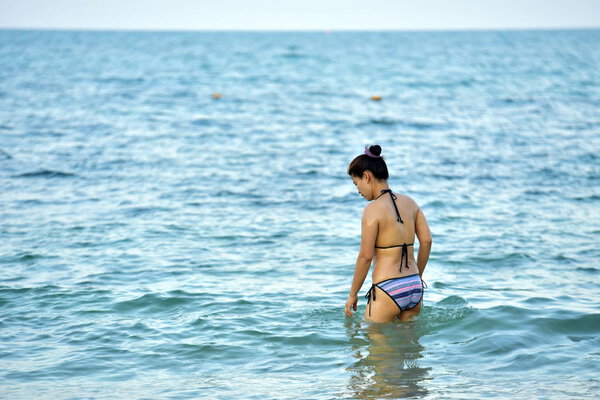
(370, 228)
(424, 236)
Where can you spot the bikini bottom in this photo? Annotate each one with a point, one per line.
(406, 291)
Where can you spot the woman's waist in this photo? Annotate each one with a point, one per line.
(393, 263)
(385, 272)
(394, 258)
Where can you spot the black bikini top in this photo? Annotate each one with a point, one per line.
(399, 219)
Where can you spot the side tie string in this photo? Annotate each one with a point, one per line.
(370, 293)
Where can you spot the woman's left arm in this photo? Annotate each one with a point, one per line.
(369, 228)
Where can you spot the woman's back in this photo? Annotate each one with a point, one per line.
(394, 251)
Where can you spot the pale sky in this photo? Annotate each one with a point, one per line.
(299, 14)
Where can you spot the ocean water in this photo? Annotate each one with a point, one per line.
(157, 243)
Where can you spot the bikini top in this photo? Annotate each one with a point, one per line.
(404, 246)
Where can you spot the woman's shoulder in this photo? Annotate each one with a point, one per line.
(371, 213)
(405, 197)
(407, 200)
(373, 209)
(370, 208)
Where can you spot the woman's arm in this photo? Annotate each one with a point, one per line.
(369, 228)
(424, 235)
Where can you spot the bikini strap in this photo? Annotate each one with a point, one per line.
(396, 245)
(399, 219)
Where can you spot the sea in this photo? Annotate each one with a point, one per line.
(177, 221)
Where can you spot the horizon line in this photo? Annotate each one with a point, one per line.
(307, 30)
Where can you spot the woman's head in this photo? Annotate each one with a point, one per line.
(367, 170)
(371, 160)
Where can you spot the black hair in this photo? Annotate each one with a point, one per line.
(364, 162)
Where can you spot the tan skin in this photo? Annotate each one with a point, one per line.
(380, 228)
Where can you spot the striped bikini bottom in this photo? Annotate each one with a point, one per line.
(406, 291)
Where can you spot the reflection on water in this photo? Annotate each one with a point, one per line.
(387, 364)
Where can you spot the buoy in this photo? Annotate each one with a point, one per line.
(217, 95)
(376, 97)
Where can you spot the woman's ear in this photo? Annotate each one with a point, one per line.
(367, 176)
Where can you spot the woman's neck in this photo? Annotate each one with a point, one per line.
(378, 187)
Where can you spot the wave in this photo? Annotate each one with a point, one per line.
(569, 324)
(591, 197)
(448, 311)
(294, 55)
(141, 210)
(29, 290)
(122, 80)
(202, 121)
(160, 302)
(46, 173)
(587, 269)
(421, 125)
(23, 257)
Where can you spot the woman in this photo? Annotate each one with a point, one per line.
(389, 224)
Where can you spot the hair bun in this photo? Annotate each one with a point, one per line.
(371, 160)
(375, 149)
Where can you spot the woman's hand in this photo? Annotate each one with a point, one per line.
(350, 305)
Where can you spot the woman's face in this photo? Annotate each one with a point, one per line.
(363, 187)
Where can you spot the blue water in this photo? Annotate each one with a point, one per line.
(157, 243)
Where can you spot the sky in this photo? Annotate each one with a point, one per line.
(322, 15)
